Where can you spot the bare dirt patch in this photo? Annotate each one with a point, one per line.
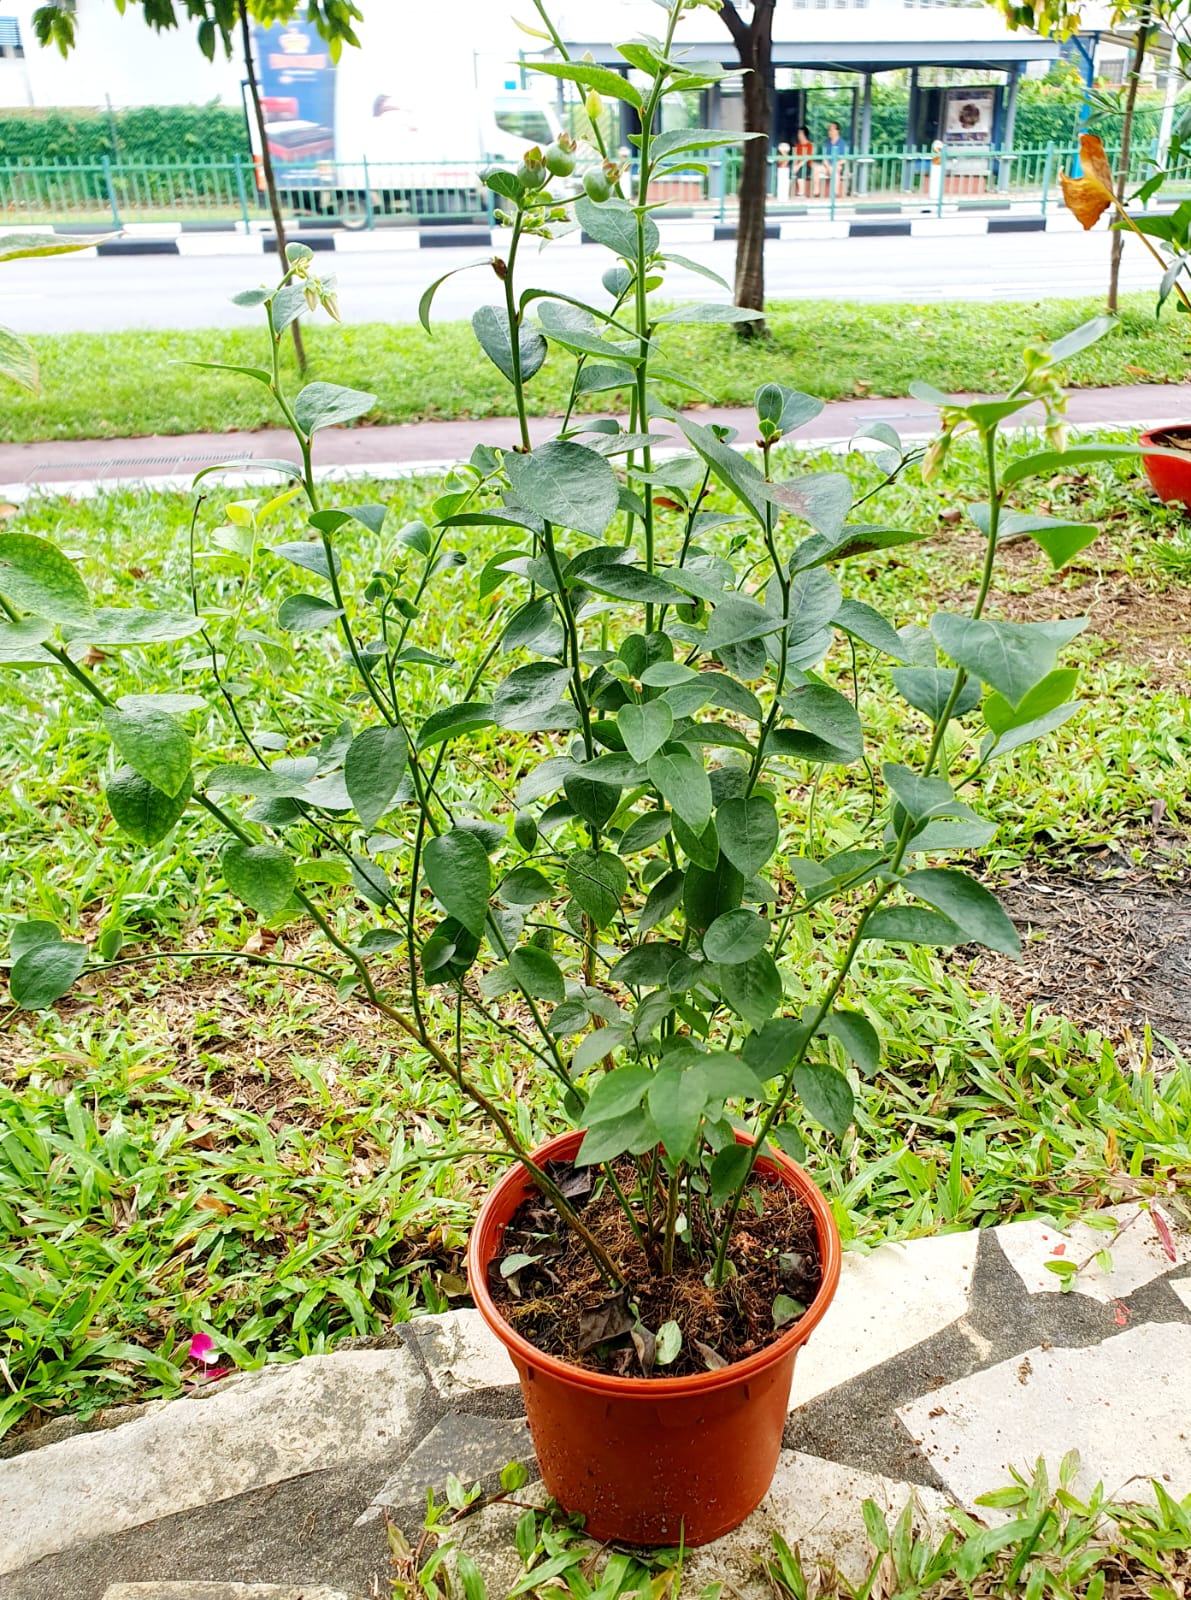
(1108, 948)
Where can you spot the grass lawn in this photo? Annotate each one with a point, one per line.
(115, 385)
(202, 1145)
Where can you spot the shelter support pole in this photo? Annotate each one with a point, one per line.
(864, 144)
(911, 129)
(1005, 165)
(1174, 82)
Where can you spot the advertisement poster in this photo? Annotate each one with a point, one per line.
(297, 85)
(968, 117)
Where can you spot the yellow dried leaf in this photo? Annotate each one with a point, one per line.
(1089, 197)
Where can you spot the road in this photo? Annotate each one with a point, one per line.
(70, 294)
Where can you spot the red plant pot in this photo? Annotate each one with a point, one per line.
(1169, 474)
(654, 1461)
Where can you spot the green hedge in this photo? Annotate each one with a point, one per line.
(145, 133)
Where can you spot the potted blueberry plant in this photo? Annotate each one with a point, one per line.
(593, 842)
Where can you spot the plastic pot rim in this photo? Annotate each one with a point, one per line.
(565, 1145)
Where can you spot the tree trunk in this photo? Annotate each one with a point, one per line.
(267, 166)
(1118, 238)
(754, 45)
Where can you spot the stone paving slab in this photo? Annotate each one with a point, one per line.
(943, 1363)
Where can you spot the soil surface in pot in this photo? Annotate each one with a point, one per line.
(1173, 439)
(548, 1288)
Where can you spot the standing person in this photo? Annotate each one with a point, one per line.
(835, 149)
(804, 149)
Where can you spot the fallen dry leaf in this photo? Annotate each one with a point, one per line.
(1089, 197)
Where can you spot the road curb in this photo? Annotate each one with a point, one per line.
(874, 222)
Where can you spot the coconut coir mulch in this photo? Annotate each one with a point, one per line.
(562, 1305)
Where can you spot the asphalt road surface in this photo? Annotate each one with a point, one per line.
(68, 294)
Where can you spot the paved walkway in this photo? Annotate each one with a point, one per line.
(172, 461)
(940, 1366)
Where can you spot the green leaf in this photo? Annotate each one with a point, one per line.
(1010, 657)
(827, 1096)
(567, 484)
(858, 1037)
(1059, 537)
(458, 872)
(968, 904)
(737, 619)
(728, 1172)
(709, 311)
(31, 936)
(684, 784)
(710, 892)
(725, 1076)
(598, 880)
(676, 1103)
(326, 405)
(752, 988)
(618, 1092)
(537, 973)
(613, 223)
(912, 925)
(18, 360)
(748, 832)
(285, 779)
(452, 721)
(1000, 744)
(532, 699)
(37, 577)
(644, 831)
(630, 583)
(646, 966)
(733, 470)
(822, 499)
(834, 732)
(449, 952)
(306, 613)
(785, 409)
(130, 625)
(928, 689)
(634, 1133)
(1076, 455)
(141, 811)
(525, 886)
(21, 643)
(863, 622)
(44, 973)
(645, 728)
(261, 875)
(491, 327)
(736, 936)
(372, 770)
(770, 1049)
(1054, 691)
(921, 797)
(152, 744)
(579, 331)
(429, 293)
(17, 246)
(602, 79)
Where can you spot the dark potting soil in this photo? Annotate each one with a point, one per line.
(559, 1302)
(1174, 439)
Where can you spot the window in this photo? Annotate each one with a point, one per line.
(524, 122)
(10, 38)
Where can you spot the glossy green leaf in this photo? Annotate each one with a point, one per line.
(261, 875)
(306, 613)
(141, 811)
(858, 1037)
(537, 973)
(676, 1102)
(752, 988)
(727, 1172)
(491, 327)
(748, 832)
(826, 1095)
(453, 721)
(457, 869)
(736, 936)
(153, 744)
(44, 973)
(327, 405)
(683, 782)
(618, 1092)
(912, 925)
(645, 728)
(1054, 690)
(373, 769)
(35, 576)
(972, 907)
(566, 483)
(598, 880)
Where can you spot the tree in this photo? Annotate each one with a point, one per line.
(754, 45)
(219, 23)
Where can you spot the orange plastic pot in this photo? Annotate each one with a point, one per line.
(653, 1461)
(1169, 474)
